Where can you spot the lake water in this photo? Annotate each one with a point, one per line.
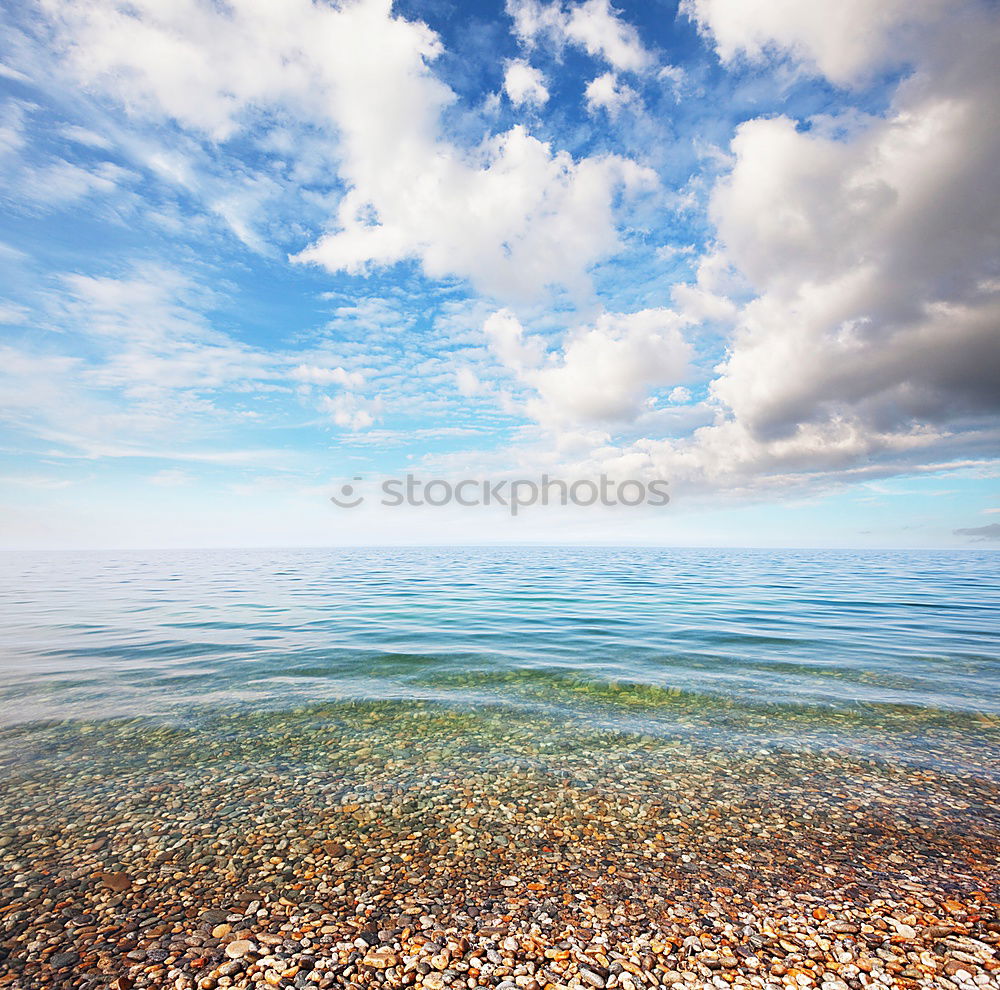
(639, 637)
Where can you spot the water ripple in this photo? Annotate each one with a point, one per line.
(87, 634)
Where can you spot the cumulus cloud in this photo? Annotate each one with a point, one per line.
(524, 84)
(607, 92)
(351, 411)
(517, 219)
(842, 39)
(867, 312)
(507, 339)
(848, 280)
(512, 215)
(855, 259)
(873, 258)
(709, 297)
(603, 371)
(594, 25)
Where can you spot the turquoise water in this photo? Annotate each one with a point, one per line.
(639, 635)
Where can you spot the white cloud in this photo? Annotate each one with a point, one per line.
(12, 120)
(84, 136)
(159, 344)
(593, 25)
(8, 72)
(512, 215)
(596, 26)
(313, 375)
(842, 39)
(869, 344)
(709, 297)
(867, 243)
(467, 382)
(48, 181)
(154, 377)
(671, 252)
(151, 305)
(603, 372)
(11, 254)
(11, 313)
(61, 182)
(514, 220)
(675, 77)
(524, 84)
(351, 411)
(506, 339)
(856, 259)
(607, 92)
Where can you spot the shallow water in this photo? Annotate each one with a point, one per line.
(883, 635)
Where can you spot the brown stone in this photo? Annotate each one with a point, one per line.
(118, 882)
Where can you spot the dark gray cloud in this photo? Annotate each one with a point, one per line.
(981, 533)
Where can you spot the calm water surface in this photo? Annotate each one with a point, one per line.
(622, 633)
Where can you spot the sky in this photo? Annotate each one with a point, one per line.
(254, 252)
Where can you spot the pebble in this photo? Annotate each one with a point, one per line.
(239, 948)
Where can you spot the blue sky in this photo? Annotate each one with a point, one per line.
(250, 253)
